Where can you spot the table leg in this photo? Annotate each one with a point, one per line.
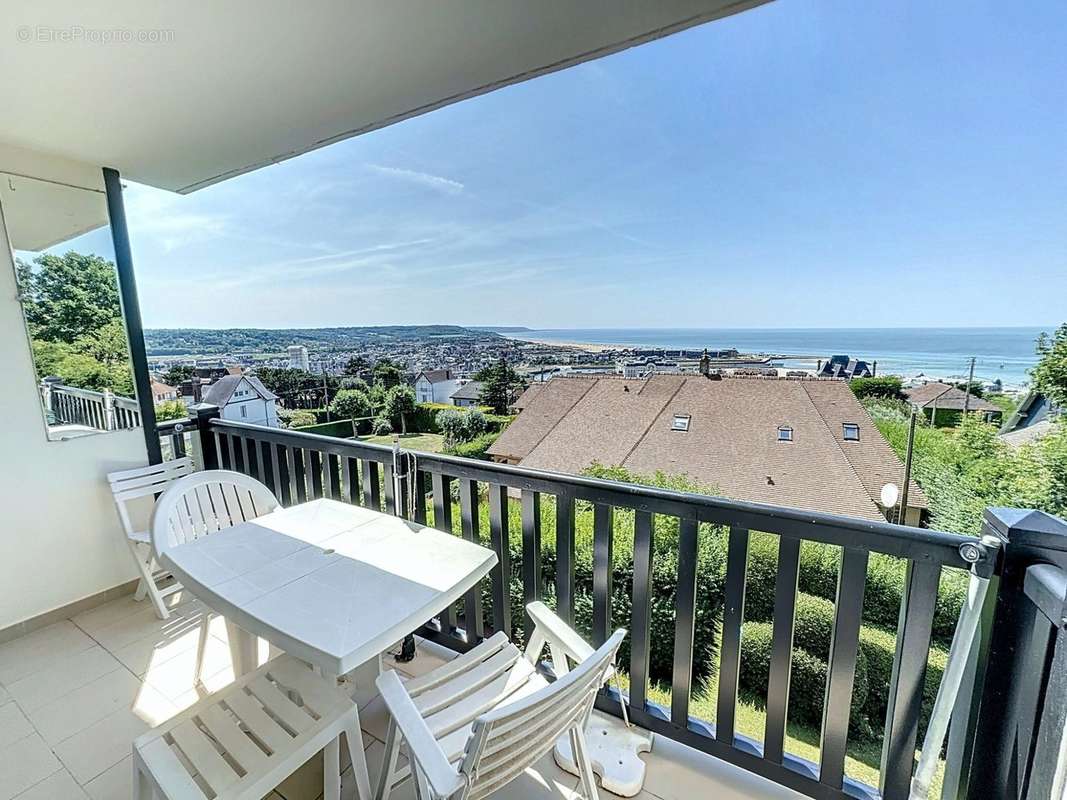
(243, 649)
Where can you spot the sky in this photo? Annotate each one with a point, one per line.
(804, 164)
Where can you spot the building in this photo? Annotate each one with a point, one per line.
(943, 403)
(842, 366)
(298, 357)
(436, 386)
(642, 368)
(243, 398)
(1031, 420)
(469, 394)
(162, 393)
(750, 439)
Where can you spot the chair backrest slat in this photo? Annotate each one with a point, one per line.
(133, 484)
(205, 503)
(511, 738)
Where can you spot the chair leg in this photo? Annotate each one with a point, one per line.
(201, 647)
(354, 738)
(148, 582)
(142, 787)
(331, 770)
(581, 758)
(392, 752)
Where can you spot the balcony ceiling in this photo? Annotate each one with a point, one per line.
(246, 83)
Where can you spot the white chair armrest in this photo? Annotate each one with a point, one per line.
(558, 633)
(442, 777)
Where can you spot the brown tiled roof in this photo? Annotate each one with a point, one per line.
(732, 442)
(435, 375)
(949, 398)
(527, 396)
(550, 405)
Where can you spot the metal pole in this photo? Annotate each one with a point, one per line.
(901, 515)
(967, 396)
(131, 313)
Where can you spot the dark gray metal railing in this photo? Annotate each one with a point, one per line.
(299, 466)
(104, 411)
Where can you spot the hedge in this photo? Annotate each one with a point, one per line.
(424, 420)
(711, 568)
(476, 447)
(812, 632)
(340, 429)
(807, 678)
(818, 577)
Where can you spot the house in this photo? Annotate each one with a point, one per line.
(435, 386)
(842, 366)
(943, 403)
(753, 439)
(1031, 420)
(469, 394)
(1033, 409)
(244, 398)
(162, 393)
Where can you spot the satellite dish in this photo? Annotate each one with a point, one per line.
(890, 495)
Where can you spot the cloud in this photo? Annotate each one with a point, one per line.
(436, 182)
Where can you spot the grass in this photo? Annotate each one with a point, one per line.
(426, 442)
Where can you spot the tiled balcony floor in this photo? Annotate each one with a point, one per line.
(74, 695)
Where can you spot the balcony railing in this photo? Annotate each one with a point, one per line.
(1006, 731)
(102, 411)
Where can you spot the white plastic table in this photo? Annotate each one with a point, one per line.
(329, 583)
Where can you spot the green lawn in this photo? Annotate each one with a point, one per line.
(426, 442)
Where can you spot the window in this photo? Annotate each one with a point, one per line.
(785, 433)
(851, 431)
(244, 411)
(680, 422)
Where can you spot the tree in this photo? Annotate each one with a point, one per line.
(388, 373)
(500, 384)
(170, 409)
(176, 376)
(67, 297)
(888, 386)
(351, 404)
(399, 403)
(1050, 374)
(357, 367)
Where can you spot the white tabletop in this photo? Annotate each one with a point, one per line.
(330, 583)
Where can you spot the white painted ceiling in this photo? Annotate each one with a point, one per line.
(244, 83)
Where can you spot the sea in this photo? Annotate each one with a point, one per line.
(1006, 354)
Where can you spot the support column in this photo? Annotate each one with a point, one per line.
(131, 313)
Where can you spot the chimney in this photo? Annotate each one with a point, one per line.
(705, 363)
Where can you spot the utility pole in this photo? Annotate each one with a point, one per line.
(967, 397)
(907, 471)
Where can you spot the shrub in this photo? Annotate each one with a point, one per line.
(807, 679)
(295, 418)
(888, 386)
(171, 409)
(382, 426)
(818, 577)
(460, 426)
(812, 633)
(475, 448)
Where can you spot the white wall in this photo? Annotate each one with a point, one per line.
(59, 536)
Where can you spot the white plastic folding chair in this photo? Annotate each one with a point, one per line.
(478, 722)
(201, 504)
(243, 741)
(128, 487)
